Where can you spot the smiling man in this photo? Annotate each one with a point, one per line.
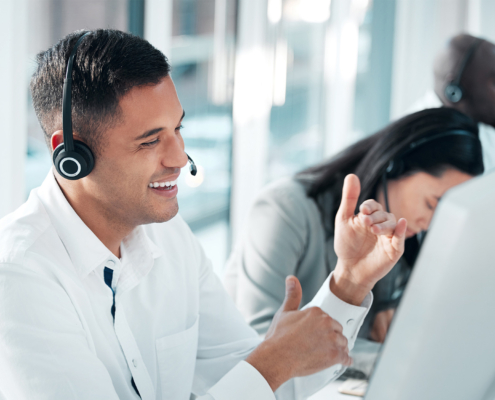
(104, 291)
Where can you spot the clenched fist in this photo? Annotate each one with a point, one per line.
(299, 343)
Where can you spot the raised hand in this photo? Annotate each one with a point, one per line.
(368, 245)
(299, 343)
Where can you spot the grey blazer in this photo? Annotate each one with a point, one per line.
(286, 235)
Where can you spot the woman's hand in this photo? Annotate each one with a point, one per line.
(368, 245)
(381, 325)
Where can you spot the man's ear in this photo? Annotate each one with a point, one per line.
(57, 138)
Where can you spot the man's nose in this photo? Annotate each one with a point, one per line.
(173, 155)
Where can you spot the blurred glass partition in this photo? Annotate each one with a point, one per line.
(374, 68)
(202, 58)
(296, 128)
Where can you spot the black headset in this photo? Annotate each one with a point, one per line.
(454, 91)
(396, 166)
(74, 159)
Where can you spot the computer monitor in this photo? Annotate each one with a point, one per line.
(441, 345)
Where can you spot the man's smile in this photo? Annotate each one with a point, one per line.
(164, 184)
(166, 187)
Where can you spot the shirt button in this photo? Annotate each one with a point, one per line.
(135, 363)
(350, 322)
(110, 263)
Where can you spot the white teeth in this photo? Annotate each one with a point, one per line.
(163, 184)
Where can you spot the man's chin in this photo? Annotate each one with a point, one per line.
(167, 214)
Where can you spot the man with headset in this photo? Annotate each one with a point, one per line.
(464, 73)
(104, 291)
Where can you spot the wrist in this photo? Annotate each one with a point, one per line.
(264, 360)
(347, 287)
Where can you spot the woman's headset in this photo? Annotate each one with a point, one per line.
(396, 167)
(74, 159)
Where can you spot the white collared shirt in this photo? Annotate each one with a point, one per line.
(175, 331)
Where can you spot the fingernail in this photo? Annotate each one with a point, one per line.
(290, 284)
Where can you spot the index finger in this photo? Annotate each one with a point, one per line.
(350, 195)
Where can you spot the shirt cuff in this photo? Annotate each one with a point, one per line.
(243, 382)
(350, 317)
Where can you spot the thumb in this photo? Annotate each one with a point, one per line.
(350, 196)
(293, 294)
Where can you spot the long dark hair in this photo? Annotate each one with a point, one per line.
(369, 158)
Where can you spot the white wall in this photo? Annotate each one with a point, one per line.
(13, 103)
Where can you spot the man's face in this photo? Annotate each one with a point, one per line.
(144, 151)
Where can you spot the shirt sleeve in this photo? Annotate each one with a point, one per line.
(44, 351)
(351, 318)
(243, 382)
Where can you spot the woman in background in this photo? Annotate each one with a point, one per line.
(407, 167)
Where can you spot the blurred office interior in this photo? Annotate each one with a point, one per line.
(269, 86)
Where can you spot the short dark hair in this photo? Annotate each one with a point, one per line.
(108, 64)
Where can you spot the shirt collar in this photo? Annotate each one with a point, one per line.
(85, 250)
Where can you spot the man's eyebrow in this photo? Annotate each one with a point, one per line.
(149, 133)
(156, 130)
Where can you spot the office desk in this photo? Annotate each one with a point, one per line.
(330, 392)
(364, 354)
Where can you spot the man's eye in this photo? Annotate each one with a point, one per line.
(430, 207)
(148, 144)
(179, 128)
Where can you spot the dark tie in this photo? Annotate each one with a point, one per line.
(108, 276)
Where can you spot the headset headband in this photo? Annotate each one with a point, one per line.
(465, 61)
(454, 132)
(67, 100)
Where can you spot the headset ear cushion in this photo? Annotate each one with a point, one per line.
(84, 150)
(82, 158)
(394, 169)
(453, 93)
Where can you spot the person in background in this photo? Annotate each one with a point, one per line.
(291, 227)
(466, 63)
